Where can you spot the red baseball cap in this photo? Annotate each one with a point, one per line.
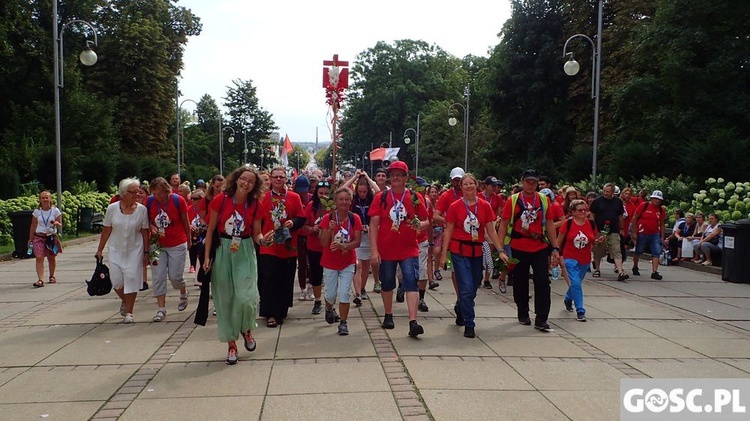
(399, 165)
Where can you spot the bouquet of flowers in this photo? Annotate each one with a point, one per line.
(500, 265)
(415, 201)
(154, 250)
(278, 212)
(603, 237)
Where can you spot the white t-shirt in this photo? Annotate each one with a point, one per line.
(44, 220)
(125, 242)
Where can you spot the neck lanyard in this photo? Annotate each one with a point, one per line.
(283, 198)
(472, 216)
(455, 195)
(490, 199)
(397, 205)
(363, 206)
(338, 222)
(533, 204)
(49, 215)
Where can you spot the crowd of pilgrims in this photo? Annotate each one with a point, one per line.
(247, 237)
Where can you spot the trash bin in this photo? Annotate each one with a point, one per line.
(87, 219)
(21, 222)
(735, 265)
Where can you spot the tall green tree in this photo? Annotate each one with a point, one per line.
(249, 120)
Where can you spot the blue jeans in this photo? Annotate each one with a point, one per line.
(576, 273)
(409, 271)
(653, 241)
(468, 272)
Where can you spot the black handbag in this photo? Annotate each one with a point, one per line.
(100, 283)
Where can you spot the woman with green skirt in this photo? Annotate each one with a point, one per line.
(234, 224)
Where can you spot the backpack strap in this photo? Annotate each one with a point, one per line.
(150, 201)
(514, 214)
(176, 200)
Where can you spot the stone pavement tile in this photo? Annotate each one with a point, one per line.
(741, 324)
(202, 379)
(492, 374)
(603, 328)
(196, 408)
(41, 385)
(594, 288)
(743, 302)
(741, 363)
(50, 411)
(626, 308)
(210, 332)
(684, 329)
(8, 374)
(441, 337)
(93, 310)
(717, 288)
(26, 346)
(216, 351)
(687, 368)
(501, 327)
(593, 405)
(114, 344)
(494, 309)
(647, 289)
(331, 406)
(307, 338)
(474, 405)
(10, 308)
(589, 374)
(708, 307)
(542, 345)
(292, 379)
(24, 292)
(717, 348)
(642, 348)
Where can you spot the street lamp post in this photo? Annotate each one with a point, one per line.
(416, 145)
(297, 153)
(453, 121)
(572, 67)
(366, 156)
(180, 133)
(221, 145)
(87, 58)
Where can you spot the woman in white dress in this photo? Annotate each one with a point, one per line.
(126, 224)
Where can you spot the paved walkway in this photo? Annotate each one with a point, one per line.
(66, 356)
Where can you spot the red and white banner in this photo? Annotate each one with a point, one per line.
(382, 154)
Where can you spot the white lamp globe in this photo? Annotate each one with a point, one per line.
(88, 57)
(571, 67)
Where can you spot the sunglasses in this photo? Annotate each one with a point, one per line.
(278, 177)
(196, 198)
(324, 184)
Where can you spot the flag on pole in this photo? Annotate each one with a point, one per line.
(286, 150)
(381, 154)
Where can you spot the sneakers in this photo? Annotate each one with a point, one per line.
(160, 315)
(581, 317)
(364, 295)
(332, 317)
(415, 329)
(655, 275)
(400, 295)
(182, 305)
(388, 322)
(469, 332)
(317, 308)
(434, 285)
(438, 275)
(376, 289)
(487, 285)
(128, 320)
(423, 306)
(502, 287)
(622, 277)
(524, 321)
(636, 272)
(343, 328)
(250, 343)
(231, 354)
(542, 326)
(357, 300)
(144, 286)
(459, 317)
(568, 305)
(192, 269)
(123, 312)
(310, 293)
(302, 295)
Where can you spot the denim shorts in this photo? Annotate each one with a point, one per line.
(653, 241)
(409, 271)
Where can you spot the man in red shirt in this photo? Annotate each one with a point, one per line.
(444, 202)
(395, 219)
(531, 234)
(648, 228)
(277, 262)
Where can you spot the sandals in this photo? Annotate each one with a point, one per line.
(38, 284)
(52, 280)
(438, 275)
(182, 305)
(272, 322)
(160, 315)
(597, 274)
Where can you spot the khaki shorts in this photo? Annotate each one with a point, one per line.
(601, 249)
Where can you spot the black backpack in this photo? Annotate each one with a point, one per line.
(100, 283)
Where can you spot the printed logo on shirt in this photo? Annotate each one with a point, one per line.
(231, 229)
(162, 219)
(342, 236)
(580, 241)
(401, 213)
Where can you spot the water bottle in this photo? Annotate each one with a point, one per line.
(556, 273)
(30, 251)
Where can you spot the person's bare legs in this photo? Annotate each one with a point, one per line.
(40, 268)
(387, 297)
(52, 261)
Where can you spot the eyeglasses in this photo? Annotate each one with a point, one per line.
(278, 177)
(133, 191)
(581, 210)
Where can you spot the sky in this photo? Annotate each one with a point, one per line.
(280, 46)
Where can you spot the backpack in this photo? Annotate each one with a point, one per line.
(175, 199)
(100, 283)
(514, 215)
(568, 224)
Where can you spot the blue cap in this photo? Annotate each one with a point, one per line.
(302, 184)
(199, 182)
(548, 193)
(421, 182)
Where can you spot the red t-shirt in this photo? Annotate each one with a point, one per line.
(114, 199)
(555, 211)
(292, 208)
(170, 218)
(495, 201)
(343, 233)
(578, 241)
(627, 216)
(651, 218)
(530, 208)
(203, 206)
(446, 199)
(560, 199)
(311, 217)
(401, 244)
(232, 214)
(422, 236)
(462, 225)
